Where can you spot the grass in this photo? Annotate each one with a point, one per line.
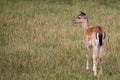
(38, 40)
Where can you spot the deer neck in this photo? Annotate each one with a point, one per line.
(85, 25)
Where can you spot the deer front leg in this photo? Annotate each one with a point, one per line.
(87, 58)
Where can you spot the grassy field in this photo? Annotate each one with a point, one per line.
(38, 40)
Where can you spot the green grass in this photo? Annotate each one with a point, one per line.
(38, 40)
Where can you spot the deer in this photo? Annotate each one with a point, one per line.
(94, 37)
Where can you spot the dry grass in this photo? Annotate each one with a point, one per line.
(39, 42)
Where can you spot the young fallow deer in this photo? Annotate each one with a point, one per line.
(93, 37)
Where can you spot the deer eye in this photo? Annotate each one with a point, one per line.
(78, 17)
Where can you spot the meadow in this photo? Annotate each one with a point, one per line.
(38, 40)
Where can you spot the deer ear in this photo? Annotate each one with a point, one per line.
(83, 13)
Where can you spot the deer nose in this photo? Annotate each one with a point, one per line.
(74, 21)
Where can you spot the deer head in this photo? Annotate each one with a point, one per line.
(81, 18)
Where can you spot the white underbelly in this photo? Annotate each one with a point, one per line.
(89, 43)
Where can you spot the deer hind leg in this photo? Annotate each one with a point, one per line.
(95, 60)
(100, 56)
